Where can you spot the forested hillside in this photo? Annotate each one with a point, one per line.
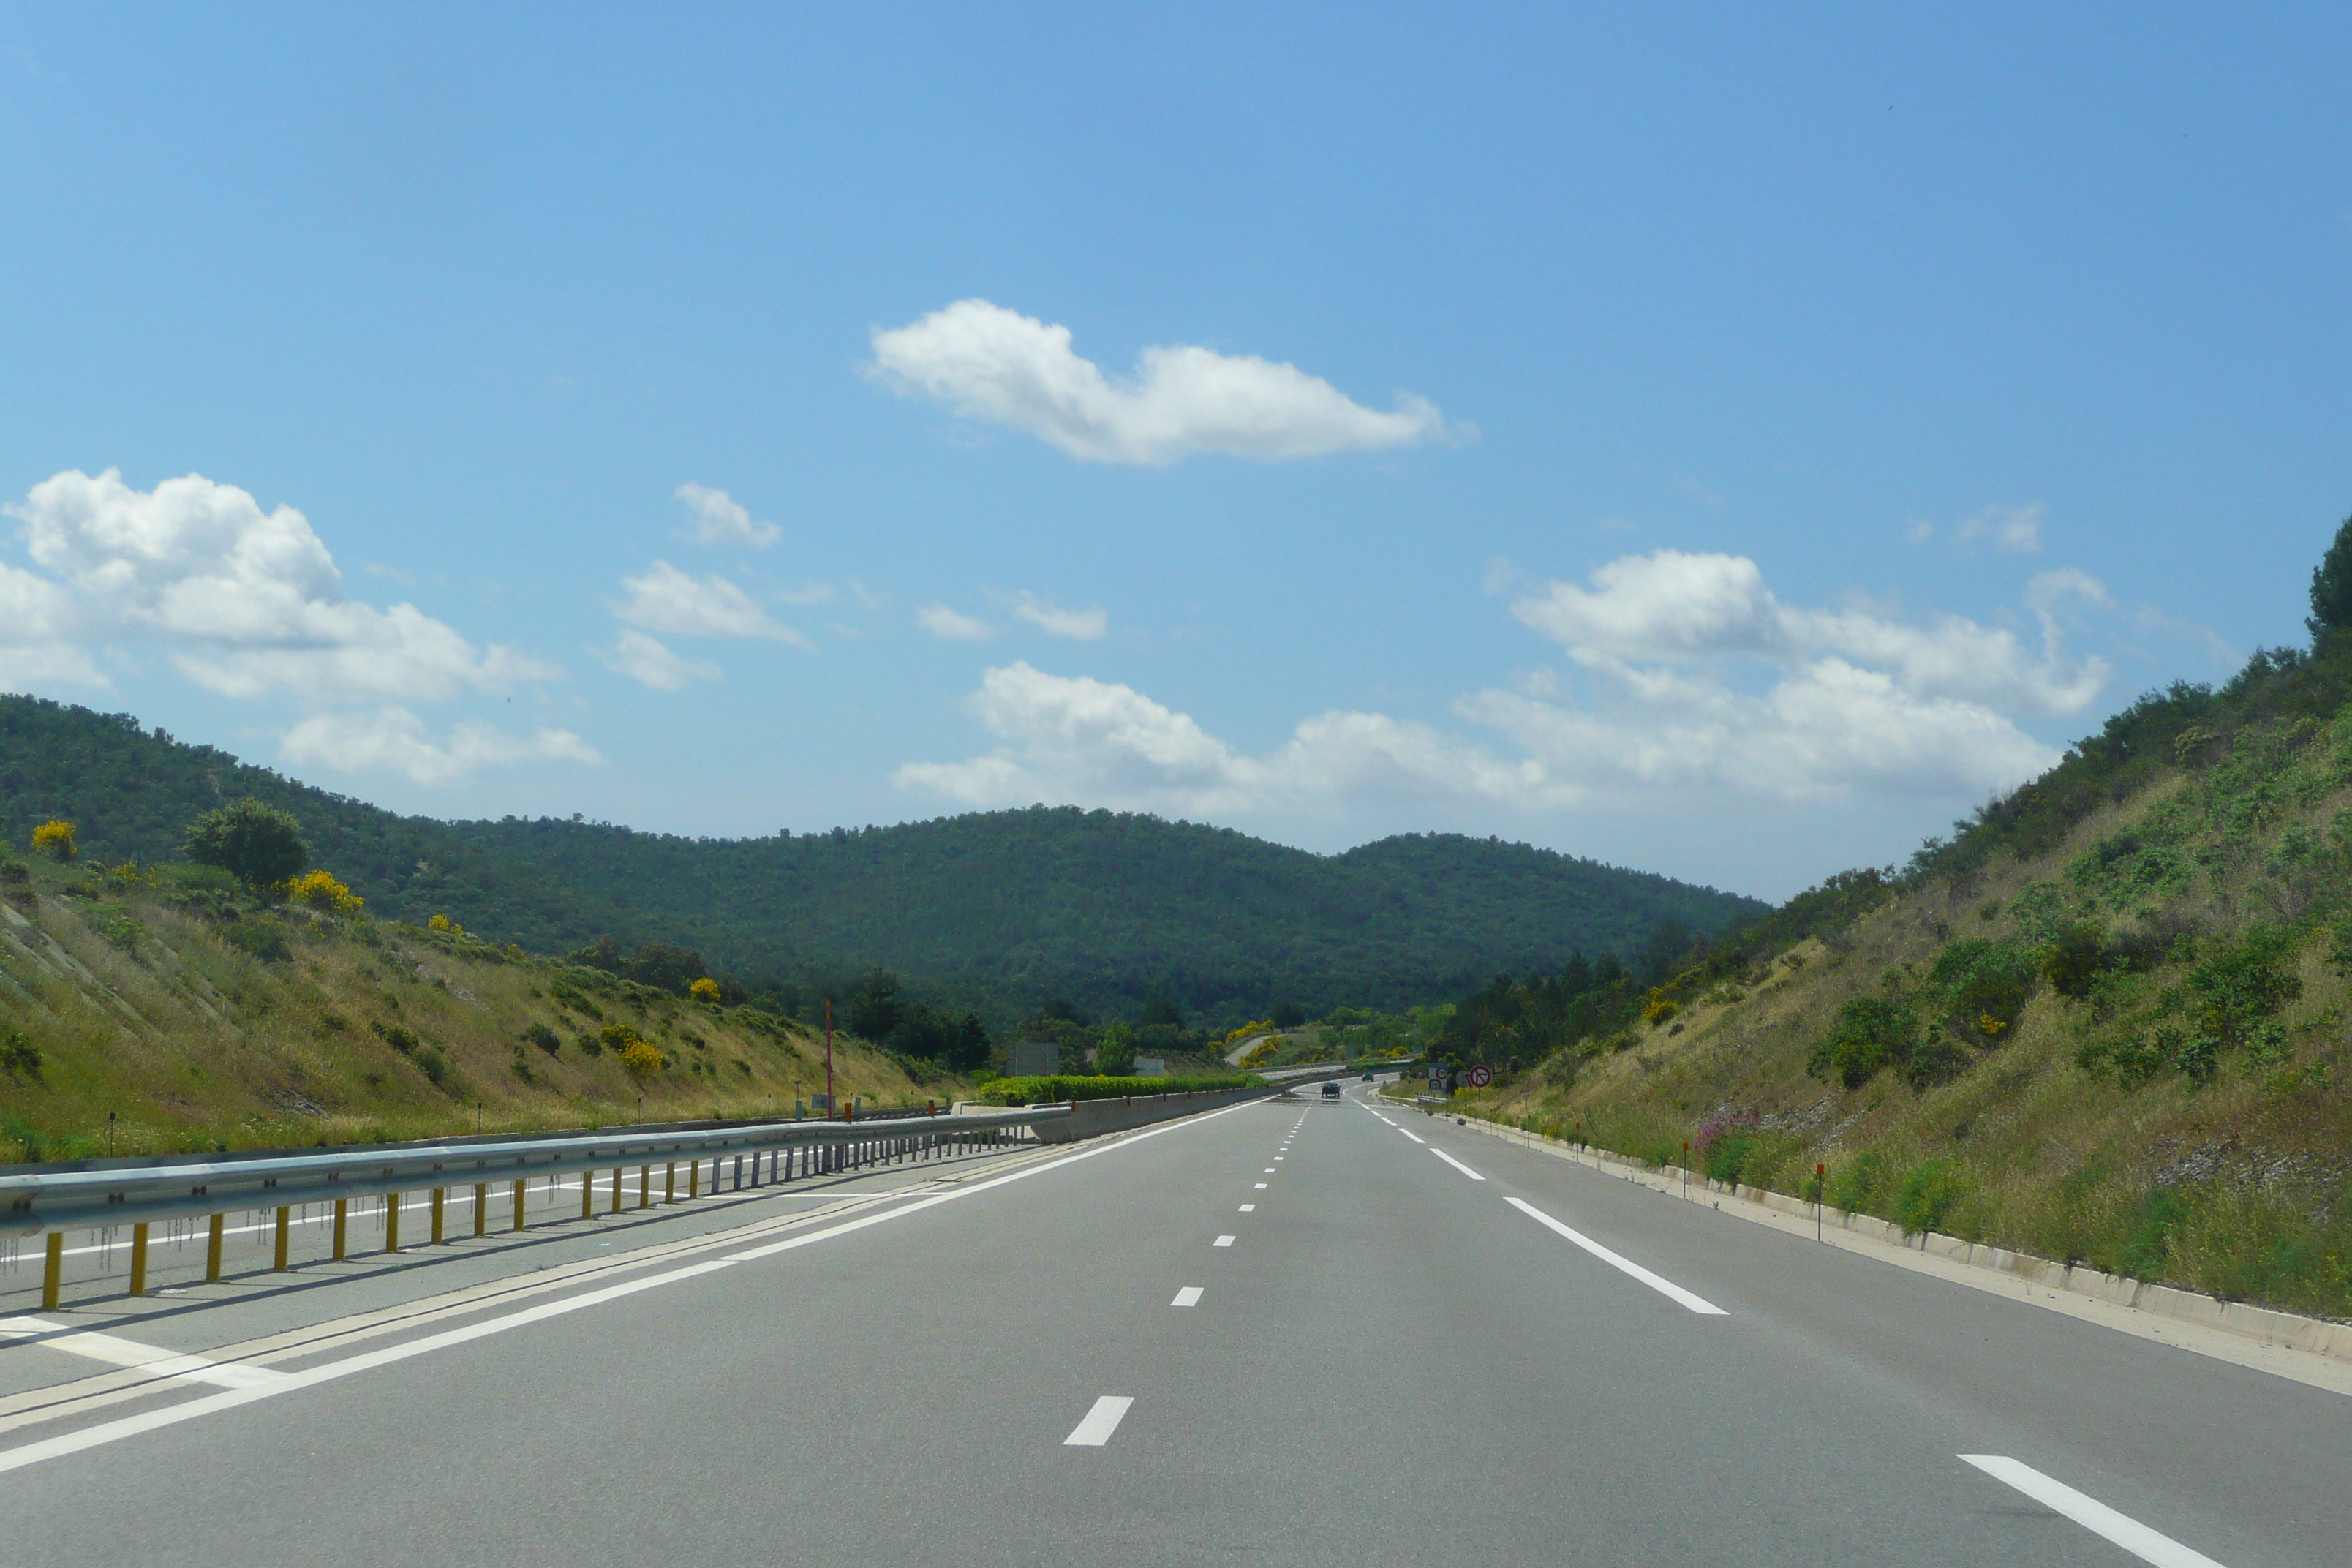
(999, 912)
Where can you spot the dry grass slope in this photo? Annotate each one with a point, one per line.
(2173, 1107)
(133, 1020)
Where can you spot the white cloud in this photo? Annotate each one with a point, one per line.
(2011, 530)
(665, 599)
(1669, 608)
(246, 602)
(397, 740)
(1072, 739)
(649, 662)
(952, 625)
(1082, 626)
(720, 518)
(1000, 367)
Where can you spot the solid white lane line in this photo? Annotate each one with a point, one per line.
(1698, 1304)
(1249, 1208)
(1457, 1165)
(1269, 1170)
(1100, 1422)
(1222, 1241)
(1188, 1297)
(1414, 1136)
(2092, 1514)
(152, 1358)
(106, 1432)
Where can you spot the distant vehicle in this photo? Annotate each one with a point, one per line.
(1367, 1077)
(1331, 1088)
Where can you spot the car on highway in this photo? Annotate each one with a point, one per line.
(1330, 1088)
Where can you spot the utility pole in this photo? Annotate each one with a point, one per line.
(828, 1059)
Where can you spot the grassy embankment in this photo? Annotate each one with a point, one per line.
(2126, 1046)
(167, 1012)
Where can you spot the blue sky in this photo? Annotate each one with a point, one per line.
(1724, 441)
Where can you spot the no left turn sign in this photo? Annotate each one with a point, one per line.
(1480, 1077)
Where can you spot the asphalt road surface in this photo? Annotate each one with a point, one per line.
(1291, 1331)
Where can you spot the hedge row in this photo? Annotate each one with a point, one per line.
(1042, 1090)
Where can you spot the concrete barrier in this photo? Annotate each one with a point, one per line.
(1093, 1118)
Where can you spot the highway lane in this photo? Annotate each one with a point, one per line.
(1388, 1361)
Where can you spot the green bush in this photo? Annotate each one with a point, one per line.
(1871, 1033)
(1928, 1196)
(545, 1038)
(260, 845)
(1856, 1185)
(257, 939)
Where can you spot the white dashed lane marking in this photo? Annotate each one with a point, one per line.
(1222, 1241)
(1100, 1422)
(2092, 1514)
(1664, 1287)
(1188, 1297)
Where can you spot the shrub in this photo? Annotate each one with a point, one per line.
(590, 1043)
(1871, 1033)
(54, 838)
(1928, 1196)
(704, 990)
(2072, 962)
(641, 1058)
(542, 1037)
(1659, 1007)
(320, 891)
(398, 1037)
(20, 1057)
(1855, 1185)
(258, 845)
(433, 1063)
(257, 939)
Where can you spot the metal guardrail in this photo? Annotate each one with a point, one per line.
(56, 1198)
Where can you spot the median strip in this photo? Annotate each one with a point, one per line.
(1698, 1304)
(2147, 1545)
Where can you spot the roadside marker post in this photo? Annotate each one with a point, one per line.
(213, 1250)
(53, 1272)
(392, 1222)
(139, 1258)
(343, 1219)
(518, 1203)
(285, 1218)
(481, 1208)
(440, 1203)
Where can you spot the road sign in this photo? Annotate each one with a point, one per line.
(1480, 1077)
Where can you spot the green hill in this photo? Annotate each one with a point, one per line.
(998, 911)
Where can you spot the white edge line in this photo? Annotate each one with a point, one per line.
(1696, 1303)
(1414, 1136)
(1457, 1165)
(106, 1432)
(2093, 1515)
(1100, 1422)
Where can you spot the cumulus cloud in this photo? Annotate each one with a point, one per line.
(1076, 740)
(2011, 530)
(953, 625)
(246, 602)
(665, 599)
(720, 518)
(999, 367)
(397, 740)
(649, 662)
(1082, 626)
(1673, 608)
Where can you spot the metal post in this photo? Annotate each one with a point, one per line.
(139, 1258)
(694, 1177)
(213, 1251)
(518, 1203)
(587, 1194)
(645, 1186)
(53, 1272)
(669, 1183)
(285, 1218)
(481, 1208)
(616, 1189)
(342, 1217)
(392, 1222)
(440, 1202)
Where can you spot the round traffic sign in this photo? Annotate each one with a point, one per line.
(1480, 1077)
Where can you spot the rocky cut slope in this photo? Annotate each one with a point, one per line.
(2106, 1023)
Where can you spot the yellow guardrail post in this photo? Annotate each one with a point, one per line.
(669, 1183)
(392, 1222)
(481, 1208)
(587, 1194)
(213, 1251)
(694, 1177)
(518, 1198)
(644, 1186)
(285, 1218)
(342, 1225)
(53, 1272)
(139, 1258)
(616, 1189)
(440, 1196)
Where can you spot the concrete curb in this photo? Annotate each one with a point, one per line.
(2312, 1336)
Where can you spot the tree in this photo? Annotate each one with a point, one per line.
(258, 845)
(874, 1007)
(2331, 586)
(1115, 1054)
(664, 965)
